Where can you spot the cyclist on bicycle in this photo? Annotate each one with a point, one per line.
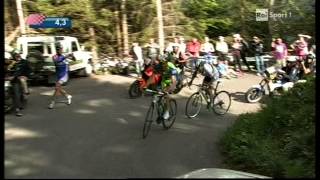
(168, 82)
(210, 73)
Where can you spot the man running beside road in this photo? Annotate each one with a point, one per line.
(61, 64)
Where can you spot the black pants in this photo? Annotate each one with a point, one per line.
(17, 95)
(236, 60)
(243, 57)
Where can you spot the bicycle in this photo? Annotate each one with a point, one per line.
(219, 101)
(157, 107)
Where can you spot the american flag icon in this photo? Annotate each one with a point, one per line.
(35, 19)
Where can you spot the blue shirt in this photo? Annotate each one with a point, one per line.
(61, 65)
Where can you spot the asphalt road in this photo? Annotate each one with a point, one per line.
(100, 134)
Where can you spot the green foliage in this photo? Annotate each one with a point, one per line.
(189, 18)
(278, 141)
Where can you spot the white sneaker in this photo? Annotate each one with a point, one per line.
(69, 97)
(166, 115)
(51, 105)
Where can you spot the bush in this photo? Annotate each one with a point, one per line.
(279, 140)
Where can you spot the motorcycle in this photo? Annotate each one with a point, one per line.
(137, 85)
(115, 66)
(275, 81)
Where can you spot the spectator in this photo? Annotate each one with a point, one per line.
(207, 49)
(171, 45)
(182, 45)
(136, 52)
(243, 50)
(21, 70)
(280, 52)
(193, 48)
(222, 48)
(236, 48)
(257, 48)
(224, 71)
(301, 47)
(152, 50)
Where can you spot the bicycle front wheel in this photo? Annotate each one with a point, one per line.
(148, 121)
(167, 123)
(193, 105)
(221, 102)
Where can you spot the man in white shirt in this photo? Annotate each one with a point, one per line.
(182, 45)
(222, 48)
(207, 49)
(137, 55)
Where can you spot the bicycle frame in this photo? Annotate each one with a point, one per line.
(203, 90)
(156, 101)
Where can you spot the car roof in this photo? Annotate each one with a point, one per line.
(44, 38)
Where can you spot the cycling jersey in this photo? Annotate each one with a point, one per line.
(210, 72)
(169, 71)
(61, 66)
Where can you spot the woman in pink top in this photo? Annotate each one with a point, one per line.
(280, 52)
(301, 47)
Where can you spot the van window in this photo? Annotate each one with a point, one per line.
(35, 46)
(74, 46)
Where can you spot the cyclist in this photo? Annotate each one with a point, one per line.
(210, 73)
(168, 83)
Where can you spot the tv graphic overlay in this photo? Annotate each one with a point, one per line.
(262, 14)
(41, 21)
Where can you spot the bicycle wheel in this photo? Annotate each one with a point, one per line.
(193, 105)
(134, 90)
(167, 123)
(221, 102)
(148, 121)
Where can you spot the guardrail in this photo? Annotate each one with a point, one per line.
(252, 59)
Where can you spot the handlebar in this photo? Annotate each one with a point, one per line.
(156, 92)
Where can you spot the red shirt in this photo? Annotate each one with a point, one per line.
(193, 47)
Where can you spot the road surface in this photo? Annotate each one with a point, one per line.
(100, 134)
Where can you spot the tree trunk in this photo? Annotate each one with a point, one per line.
(270, 24)
(21, 18)
(125, 28)
(243, 30)
(12, 36)
(118, 32)
(160, 25)
(94, 47)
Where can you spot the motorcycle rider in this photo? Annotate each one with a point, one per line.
(20, 71)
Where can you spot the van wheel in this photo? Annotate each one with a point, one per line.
(87, 71)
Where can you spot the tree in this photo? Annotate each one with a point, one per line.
(124, 27)
(160, 25)
(21, 17)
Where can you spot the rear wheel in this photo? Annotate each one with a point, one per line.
(148, 121)
(134, 90)
(167, 123)
(194, 105)
(221, 102)
(253, 95)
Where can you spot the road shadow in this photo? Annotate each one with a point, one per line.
(100, 136)
(239, 96)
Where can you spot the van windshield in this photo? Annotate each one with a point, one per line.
(42, 47)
